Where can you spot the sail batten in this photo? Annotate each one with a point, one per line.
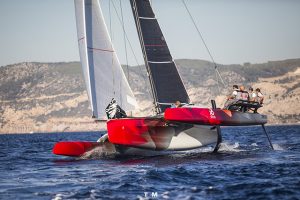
(103, 74)
(161, 62)
(147, 18)
(166, 83)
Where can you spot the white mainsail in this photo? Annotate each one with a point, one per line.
(102, 71)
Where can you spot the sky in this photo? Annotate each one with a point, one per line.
(236, 31)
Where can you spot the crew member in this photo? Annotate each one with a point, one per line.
(252, 94)
(177, 104)
(260, 96)
(232, 97)
(242, 94)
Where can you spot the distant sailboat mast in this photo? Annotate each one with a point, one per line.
(81, 33)
(166, 84)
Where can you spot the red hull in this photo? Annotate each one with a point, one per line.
(73, 148)
(157, 133)
(180, 129)
(134, 131)
(206, 116)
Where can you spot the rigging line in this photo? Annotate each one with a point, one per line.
(124, 38)
(217, 82)
(216, 69)
(199, 33)
(132, 51)
(120, 21)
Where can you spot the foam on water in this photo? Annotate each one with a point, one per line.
(58, 197)
(206, 149)
(105, 151)
(254, 144)
(226, 147)
(277, 147)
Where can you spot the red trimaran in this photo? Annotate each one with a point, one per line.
(171, 129)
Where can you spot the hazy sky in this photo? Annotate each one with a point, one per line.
(236, 31)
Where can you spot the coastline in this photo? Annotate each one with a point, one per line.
(54, 99)
(102, 129)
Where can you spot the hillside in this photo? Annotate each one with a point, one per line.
(46, 97)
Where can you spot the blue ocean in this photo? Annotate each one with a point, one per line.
(245, 168)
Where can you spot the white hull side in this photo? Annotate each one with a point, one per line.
(195, 137)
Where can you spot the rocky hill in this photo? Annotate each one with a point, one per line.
(46, 97)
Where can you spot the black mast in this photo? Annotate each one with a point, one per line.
(166, 84)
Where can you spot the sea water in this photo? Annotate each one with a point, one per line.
(245, 168)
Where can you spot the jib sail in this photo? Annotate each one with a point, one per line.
(102, 71)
